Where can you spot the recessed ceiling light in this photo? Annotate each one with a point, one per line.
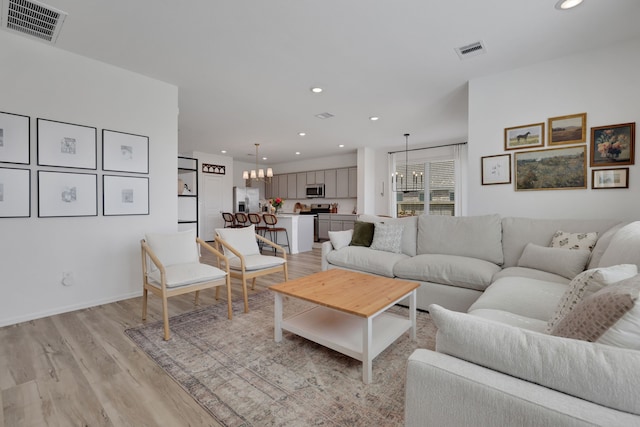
(297, 153)
(567, 4)
(301, 133)
(374, 118)
(341, 146)
(264, 158)
(316, 89)
(223, 151)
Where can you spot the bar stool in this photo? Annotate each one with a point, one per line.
(229, 220)
(241, 219)
(271, 222)
(255, 219)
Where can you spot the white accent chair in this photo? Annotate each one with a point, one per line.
(171, 266)
(244, 259)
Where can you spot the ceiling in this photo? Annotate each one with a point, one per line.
(244, 68)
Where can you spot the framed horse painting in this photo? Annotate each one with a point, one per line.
(526, 136)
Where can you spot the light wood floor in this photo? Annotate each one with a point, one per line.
(80, 369)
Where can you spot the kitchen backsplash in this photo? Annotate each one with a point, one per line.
(345, 206)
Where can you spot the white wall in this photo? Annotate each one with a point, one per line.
(602, 83)
(103, 253)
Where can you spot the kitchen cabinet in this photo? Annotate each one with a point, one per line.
(330, 184)
(319, 177)
(311, 178)
(341, 222)
(342, 183)
(283, 187)
(301, 179)
(292, 187)
(323, 226)
(353, 182)
(271, 189)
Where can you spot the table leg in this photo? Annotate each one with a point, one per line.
(412, 314)
(367, 338)
(277, 321)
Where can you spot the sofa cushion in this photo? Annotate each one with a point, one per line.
(598, 373)
(340, 239)
(519, 295)
(530, 273)
(470, 273)
(517, 232)
(512, 319)
(409, 232)
(365, 259)
(470, 236)
(610, 316)
(564, 262)
(587, 283)
(387, 237)
(602, 244)
(362, 234)
(623, 248)
(566, 240)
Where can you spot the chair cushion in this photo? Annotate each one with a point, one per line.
(256, 262)
(186, 274)
(174, 248)
(241, 239)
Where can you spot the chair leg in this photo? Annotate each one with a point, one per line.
(144, 303)
(195, 302)
(217, 293)
(244, 292)
(286, 272)
(230, 314)
(286, 233)
(165, 317)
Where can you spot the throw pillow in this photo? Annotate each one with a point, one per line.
(362, 234)
(587, 283)
(563, 262)
(174, 248)
(566, 240)
(340, 239)
(387, 237)
(595, 315)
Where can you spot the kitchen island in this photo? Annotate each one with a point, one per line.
(300, 230)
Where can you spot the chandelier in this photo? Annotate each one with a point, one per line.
(407, 182)
(257, 173)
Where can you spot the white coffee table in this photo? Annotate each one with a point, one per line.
(349, 313)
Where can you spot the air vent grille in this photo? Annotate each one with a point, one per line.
(470, 50)
(33, 18)
(324, 115)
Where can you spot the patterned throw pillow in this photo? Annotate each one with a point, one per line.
(595, 315)
(387, 237)
(587, 283)
(563, 239)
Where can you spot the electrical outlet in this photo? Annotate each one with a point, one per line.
(67, 278)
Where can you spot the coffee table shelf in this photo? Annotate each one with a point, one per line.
(344, 333)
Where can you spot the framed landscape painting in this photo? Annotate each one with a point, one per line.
(552, 169)
(568, 129)
(613, 145)
(526, 136)
(610, 178)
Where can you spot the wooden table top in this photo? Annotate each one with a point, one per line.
(355, 293)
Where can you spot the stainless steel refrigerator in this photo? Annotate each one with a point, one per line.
(246, 199)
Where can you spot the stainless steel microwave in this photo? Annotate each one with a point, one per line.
(315, 191)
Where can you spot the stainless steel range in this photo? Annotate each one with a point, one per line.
(315, 209)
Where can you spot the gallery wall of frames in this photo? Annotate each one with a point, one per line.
(66, 154)
(563, 165)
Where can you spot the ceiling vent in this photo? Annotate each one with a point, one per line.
(470, 50)
(324, 115)
(33, 18)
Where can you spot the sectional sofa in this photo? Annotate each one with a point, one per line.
(499, 290)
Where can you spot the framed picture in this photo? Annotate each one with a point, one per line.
(15, 138)
(66, 145)
(551, 169)
(62, 194)
(15, 193)
(613, 145)
(524, 136)
(568, 129)
(125, 152)
(609, 178)
(125, 195)
(496, 169)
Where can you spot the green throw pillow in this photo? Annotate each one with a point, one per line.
(362, 234)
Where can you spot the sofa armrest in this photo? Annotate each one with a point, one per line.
(444, 390)
(326, 248)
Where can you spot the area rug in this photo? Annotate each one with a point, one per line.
(235, 370)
